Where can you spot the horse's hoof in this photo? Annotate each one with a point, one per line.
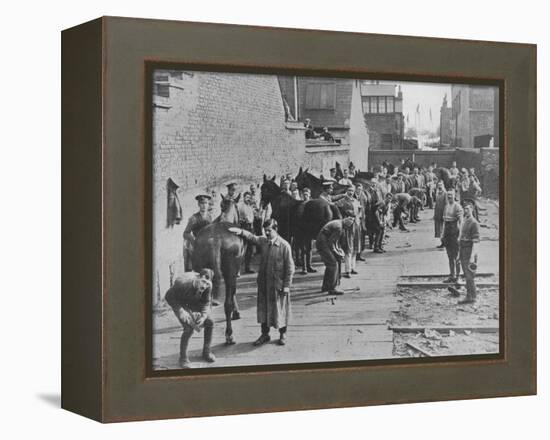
(235, 315)
(229, 340)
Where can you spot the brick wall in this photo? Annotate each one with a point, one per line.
(484, 160)
(337, 117)
(215, 128)
(489, 172)
(385, 130)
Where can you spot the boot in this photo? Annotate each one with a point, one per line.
(184, 343)
(207, 354)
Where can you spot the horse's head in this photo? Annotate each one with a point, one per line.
(302, 179)
(229, 210)
(269, 190)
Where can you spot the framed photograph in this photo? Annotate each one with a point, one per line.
(283, 219)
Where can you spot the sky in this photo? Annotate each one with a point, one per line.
(427, 96)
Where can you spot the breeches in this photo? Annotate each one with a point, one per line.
(465, 254)
(330, 279)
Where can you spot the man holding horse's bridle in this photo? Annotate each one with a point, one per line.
(274, 280)
(195, 223)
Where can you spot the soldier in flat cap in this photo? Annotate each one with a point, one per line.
(195, 223)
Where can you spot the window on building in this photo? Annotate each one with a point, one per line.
(389, 104)
(161, 85)
(366, 105)
(162, 89)
(373, 104)
(381, 104)
(320, 96)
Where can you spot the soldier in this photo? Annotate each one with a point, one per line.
(364, 203)
(285, 186)
(190, 299)
(232, 192)
(387, 186)
(430, 186)
(274, 280)
(195, 223)
(398, 186)
(327, 190)
(328, 246)
(381, 214)
(351, 239)
(469, 234)
(306, 194)
(452, 217)
(454, 170)
(345, 180)
(439, 209)
(406, 204)
(418, 179)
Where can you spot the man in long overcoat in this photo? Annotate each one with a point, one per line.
(274, 280)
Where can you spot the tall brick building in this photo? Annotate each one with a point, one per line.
(473, 113)
(334, 103)
(383, 113)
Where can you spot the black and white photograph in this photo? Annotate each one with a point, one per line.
(307, 220)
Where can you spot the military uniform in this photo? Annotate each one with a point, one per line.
(452, 217)
(469, 234)
(439, 208)
(351, 243)
(192, 308)
(195, 223)
(328, 246)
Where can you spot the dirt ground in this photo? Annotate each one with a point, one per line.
(358, 325)
(436, 308)
(429, 308)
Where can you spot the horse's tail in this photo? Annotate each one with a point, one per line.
(217, 268)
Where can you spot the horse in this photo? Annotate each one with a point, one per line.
(305, 179)
(283, 206)
(230, 213)
(222, 251)
(299, 222)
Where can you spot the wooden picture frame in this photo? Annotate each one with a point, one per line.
(106, 235)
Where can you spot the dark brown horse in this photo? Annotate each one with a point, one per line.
(305, 179)
(229, 211)
(299, 222)
(222, 251)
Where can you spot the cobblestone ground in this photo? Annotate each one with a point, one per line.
(356, 326)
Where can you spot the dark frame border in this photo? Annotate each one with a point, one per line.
(122, 391)
(151, 66)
